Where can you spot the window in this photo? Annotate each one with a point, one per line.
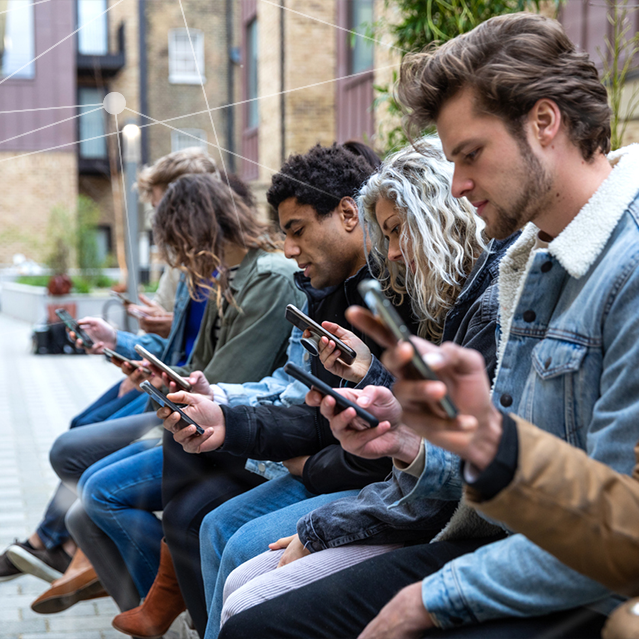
(183, 67)
(92, 124)
(183, 140)
(92, 22)
(17, 40)
(361, 49)
(251, 74)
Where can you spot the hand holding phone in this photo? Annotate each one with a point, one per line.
(304, 323)
(73, 325)
(416, 368)
(183, 383)
(159, 397)
(317, 384)
(120, 359)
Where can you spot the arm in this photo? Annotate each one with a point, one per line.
(557, 488)
(251, 341)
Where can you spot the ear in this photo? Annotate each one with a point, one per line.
(348, 213)
(545, 121)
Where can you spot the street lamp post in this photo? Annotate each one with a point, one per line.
(131, 135)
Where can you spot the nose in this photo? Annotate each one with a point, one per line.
(462, 184)
(394, 252)
(290, 248)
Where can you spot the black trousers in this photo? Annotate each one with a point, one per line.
(192, 486)
(341, 605)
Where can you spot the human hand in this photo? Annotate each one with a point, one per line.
(295, 466)
(137, 374)
(329, 353)
(474, 435)
(158, 324)
(403, 617)
(294, 549)
(126, 386)
(202, 411)
(102, 334)
(389, 438)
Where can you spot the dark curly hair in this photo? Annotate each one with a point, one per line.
(320, 178)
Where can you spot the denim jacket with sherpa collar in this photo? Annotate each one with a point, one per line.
(568, 361)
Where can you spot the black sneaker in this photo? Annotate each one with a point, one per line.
(7, 569)
(45, 564)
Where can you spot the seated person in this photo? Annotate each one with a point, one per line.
(48, 551)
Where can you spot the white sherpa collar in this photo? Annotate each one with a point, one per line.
(577, 247)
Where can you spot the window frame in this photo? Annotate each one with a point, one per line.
(180, 76)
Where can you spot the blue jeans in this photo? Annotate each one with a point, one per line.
(244, 526)
(120, 494)
(105, 406)
(52, 529)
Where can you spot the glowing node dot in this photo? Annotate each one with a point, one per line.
(114, 103)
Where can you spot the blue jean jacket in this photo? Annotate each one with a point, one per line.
(168, 349)
(568, 363)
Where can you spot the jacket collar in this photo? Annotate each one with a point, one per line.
(578, 246)
(244, 270)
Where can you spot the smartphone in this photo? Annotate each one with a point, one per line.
(122, 297)
(313, 382)
(180, 381)
(113, 355)
(161, 399)
(72, 325)
(303, 322)
(381, 306)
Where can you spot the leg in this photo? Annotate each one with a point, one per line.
(183, 515)
(104, 556)
(74, 451)
(257, 580)
(223, 555)
(350, 599)
(121, 498)
(105, 406)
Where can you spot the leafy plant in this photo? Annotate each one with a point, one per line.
(88, 215)
(60, 244)
(619, 60)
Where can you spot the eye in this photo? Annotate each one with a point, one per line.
(469, 157)
(395, 230)
(298, 232)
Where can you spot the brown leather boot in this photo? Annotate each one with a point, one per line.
(79, 583)
(161, 606)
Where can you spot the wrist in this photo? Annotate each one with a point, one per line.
(409, 446)
(486, 442)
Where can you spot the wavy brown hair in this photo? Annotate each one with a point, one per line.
(197, 216)
(510, 62)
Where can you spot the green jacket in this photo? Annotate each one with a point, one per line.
(253, 338)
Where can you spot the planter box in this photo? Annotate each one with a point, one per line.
(29, 303)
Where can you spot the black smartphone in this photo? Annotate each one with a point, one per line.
(381, 306)
(184, 384)
(161, 399)
(313, 382)
(303, 322)
(72, 325)
(109, 354)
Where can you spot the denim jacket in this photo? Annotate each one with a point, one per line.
(382, 512)
(170, 349)
(568, 363)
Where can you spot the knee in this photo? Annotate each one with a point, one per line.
(94, 496)
(62, 458)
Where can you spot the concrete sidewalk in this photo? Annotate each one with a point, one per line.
(39, 394)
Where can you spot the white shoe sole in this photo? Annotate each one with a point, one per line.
(30, 564)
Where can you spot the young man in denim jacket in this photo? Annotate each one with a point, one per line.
(525, 119)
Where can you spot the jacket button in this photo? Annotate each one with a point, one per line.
(548, 362)
(261, 467)
(506, 400)
(546, 266)
(530, 316)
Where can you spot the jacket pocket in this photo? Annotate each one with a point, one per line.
(558, 387)
(552, 357)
